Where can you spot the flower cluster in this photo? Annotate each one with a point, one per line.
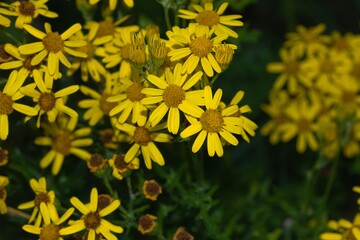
(316, 97)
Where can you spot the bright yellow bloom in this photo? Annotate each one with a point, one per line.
(49, 102)
(207, 16)
(214, 123)
(8, 98)
(28, 10)
(344, 230)
(93, 218)
(53, 46)
(196, 45)
(64, 140)
(143, 138)
(173, 95)
(113, 3)
(308, 41)
(4, 21)
(3, 194)
(98, 107)
(129, 102)
(51, 226)
(120, 167)
(42, 197)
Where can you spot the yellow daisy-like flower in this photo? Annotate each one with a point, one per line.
(129, 102)
(143, 138)
(53, 46)
(196, 45)
(98, 106)
(344, 230)
(3, 194)
(42, 197)
(93, 218)
(173, 95)
(113, 3)
(120, 167)
(89, 65)
(8, 98)
(48, 101)
(51, 226)
(28, 10)
(207, 16)
(64, 140)
(214, 123)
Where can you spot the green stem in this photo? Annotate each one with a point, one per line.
(109, 188)
(167, 18)
(330, 182)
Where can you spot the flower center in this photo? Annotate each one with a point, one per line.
(119, 162)
(5, 104)
(47, 101)
(27, 64)
(2, 193)
(96, 160)
(147, 223)
(103, 201)
(89, 49)
(50, 232)
(212, 120)
(208, 18)
(53, 42)
(152, 188)
(41, 197)
(106, 106)
(348, 97)
(92, 220)
(106, 28)
(133, 92)
(355, 71)
(327, 66)
(26, 8)
(303, 125)
(173, 95)
(292, 67)
(142, 136)
(200, 46)
(62, 143)
(106, 136)
(3, 157)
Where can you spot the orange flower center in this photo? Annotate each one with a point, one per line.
(152, 189)
(6, 104)
(142, 136)
(120, 163)
(208, 18)
(96, 162)
(106, 28)
(173, 95)
(27, 64)
(212, 120)
(304, 125)
(292, 67)
(41, 197)
(146, 223)
(26, 8)
(106, 106)
(133, 92)
(53, 42)
(62, 143)
(104, 200)
(89, 49)
(92, 220)
(50, 232)
(200, 46)
(47, 101)
(327, 66)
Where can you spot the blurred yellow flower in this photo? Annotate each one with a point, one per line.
(3, 194)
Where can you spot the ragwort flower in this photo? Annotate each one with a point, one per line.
(113, 3)
(151, 189)
(173, 95)
(120, 167)
(343, 230)
(214, 123)
(3, 194)
(93, 218)
(64, 140)
(53, 46)
(147, 223)
(207, 16)
(42, 197)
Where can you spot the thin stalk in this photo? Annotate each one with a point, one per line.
(167, 18)
(330, 182)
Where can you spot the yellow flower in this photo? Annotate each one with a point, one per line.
(308, 41)
(93, 218)
(42, 197)
(129, 102)
(3, 194)
(4, 21)
(96, 162)
(291, 70)
(98, 106)
(64, 140)
(120, 167)
(172, 96)
(113, 3)
(196, 45)
(214, 123)
(28, 10)
(49, 102)
(181, 233)
(53, 46)
(144, 138)
(8, 96)
(151, 189)
(51, 226)
(147, 223)
(89, 65)
(344, 230)
(207, 16)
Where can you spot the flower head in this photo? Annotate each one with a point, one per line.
(3, 194)
(120, 167)
(147, 223)
(151, 189)
(182, 234)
